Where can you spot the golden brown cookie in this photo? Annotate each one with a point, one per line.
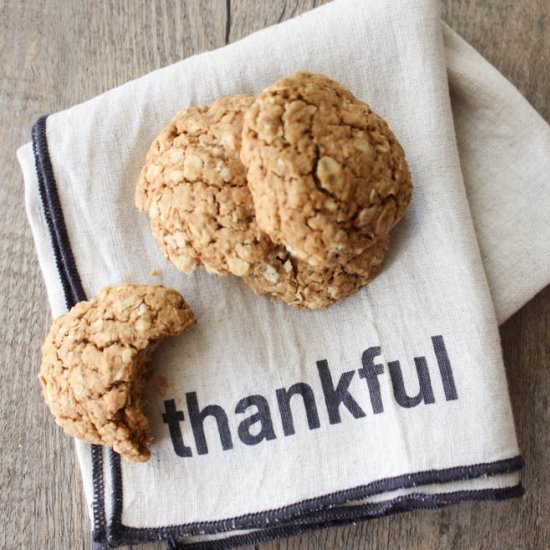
(94, 364)
(297, 283)
(194, 189)
(327, 175)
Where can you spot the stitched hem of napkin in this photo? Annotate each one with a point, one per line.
(312, 513)
(325, 508)
(351, 514)
(71, 283)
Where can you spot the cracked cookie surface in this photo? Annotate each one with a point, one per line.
(194, 189)
(94, 364)
(327, 175)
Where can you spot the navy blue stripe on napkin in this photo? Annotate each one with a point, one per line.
(71, 283)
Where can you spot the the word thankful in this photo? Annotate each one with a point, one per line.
(256, 418)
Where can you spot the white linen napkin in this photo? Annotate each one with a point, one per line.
(268, 420)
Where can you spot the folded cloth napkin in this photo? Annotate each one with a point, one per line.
(268, 420)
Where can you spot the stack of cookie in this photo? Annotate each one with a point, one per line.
(296, 192)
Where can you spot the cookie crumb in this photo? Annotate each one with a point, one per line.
(163, 386)
(154, 272)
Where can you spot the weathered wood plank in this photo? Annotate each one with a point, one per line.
(54, 53)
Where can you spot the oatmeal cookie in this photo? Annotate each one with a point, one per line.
(297, 283)
(193, 187)
(94, 364)
(327, 175)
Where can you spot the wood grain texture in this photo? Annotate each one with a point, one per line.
(54, 53)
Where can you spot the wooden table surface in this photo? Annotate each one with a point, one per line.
(54, 53)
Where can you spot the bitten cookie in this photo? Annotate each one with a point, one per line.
(327, 175)
(193, 187)
(94, 364)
